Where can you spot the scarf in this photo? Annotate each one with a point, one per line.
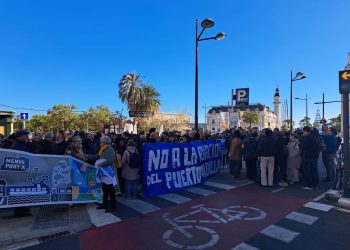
(102, 149)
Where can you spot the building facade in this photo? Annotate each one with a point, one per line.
(6, 122)
(220, 118)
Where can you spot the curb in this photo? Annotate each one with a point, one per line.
(336, 197)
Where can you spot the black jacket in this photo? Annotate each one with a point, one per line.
(19, 145)
(60, 148)
(44, 147)
(89, 147)
(308, 146)
(250, 146)
(266, 146)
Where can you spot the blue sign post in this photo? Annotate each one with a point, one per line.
(24, 118)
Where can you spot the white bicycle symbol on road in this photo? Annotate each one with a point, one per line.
(230, 214)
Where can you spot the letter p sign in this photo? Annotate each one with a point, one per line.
(242, 97)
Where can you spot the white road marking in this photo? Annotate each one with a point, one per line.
(99, 218)
(280, 233)
(200, 191)
(322, 195)
(139, 205)
(244, 246)
(176, 198)
(246, 183)
(23, 245)
(318, 206)
(343, 210)
(302, 218)
(277, 190)
(219, 185)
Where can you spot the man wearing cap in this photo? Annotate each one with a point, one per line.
(21, 144)
(21, 141)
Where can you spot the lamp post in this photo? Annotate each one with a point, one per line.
(298, 76)
(305, 99)
(206, 24)
(205, 107)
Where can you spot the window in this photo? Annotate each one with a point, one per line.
(213, 121)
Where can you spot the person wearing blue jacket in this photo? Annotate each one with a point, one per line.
(329, 154)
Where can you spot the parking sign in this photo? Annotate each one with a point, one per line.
(242, 97)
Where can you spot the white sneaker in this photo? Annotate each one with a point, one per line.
(307, 188)
(283, 184)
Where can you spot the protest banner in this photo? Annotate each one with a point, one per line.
(170, 167)
(29, 179)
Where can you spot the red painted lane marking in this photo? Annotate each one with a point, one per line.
(224, 220)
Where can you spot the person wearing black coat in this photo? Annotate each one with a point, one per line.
(7, 142)
(61, 144)
(21, 142)
(309, 155)
(266, 155)
(46, 145)
(250, 145)
(90, 147)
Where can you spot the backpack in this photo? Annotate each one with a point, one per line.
(320, 145)
(135, 160)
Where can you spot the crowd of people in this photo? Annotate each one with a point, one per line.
(115, 150)
(279, 157)
(272, 157)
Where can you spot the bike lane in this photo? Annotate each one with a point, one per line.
(219, 221)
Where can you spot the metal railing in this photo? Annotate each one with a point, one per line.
(339, 172)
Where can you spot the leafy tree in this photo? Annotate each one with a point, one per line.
(335, 122)
(95, 118)
(250, 117)
(63, 117)
(119, 115)
(304, 122)
(39, 123)
(18, 123)
(119, 119)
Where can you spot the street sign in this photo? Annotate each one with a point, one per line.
(140, 113)
(24, 116)
(242, 97)
(344, 82)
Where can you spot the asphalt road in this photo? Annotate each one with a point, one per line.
(284, 218)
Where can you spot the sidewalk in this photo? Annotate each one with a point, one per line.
(46, 222)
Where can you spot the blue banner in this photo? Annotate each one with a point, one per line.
(171, 167)
(29, 179)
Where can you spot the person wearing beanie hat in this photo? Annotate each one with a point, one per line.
(21, 141)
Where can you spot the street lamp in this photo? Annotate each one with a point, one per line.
(305, 99)
(298, 76)
(206, 24)
(205, 107)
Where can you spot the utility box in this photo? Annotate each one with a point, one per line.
(6, 122)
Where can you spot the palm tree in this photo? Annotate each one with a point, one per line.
(138, 95)
(149, 99)
(129, 91)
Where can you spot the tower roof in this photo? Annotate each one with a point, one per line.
(277, 92)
